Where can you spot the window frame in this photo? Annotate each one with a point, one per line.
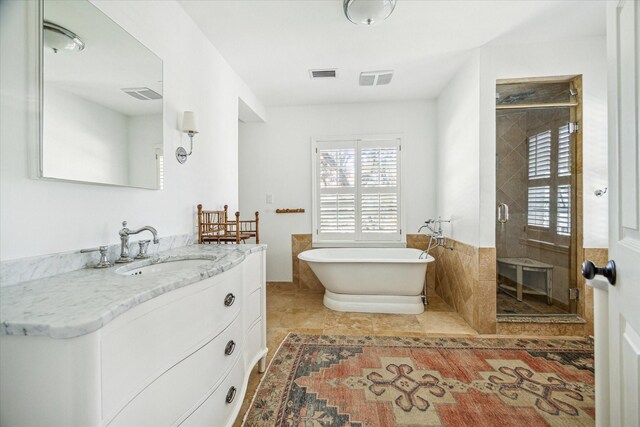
(358, 238)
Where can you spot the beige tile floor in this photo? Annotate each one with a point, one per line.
(302, 311)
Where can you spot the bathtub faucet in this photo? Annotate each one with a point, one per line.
(437, 236)
(431, 228)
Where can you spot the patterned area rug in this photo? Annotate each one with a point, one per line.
(388, 381)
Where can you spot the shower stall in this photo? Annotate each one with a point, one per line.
(538, 232)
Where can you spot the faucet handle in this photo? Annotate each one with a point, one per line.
(99, 248)
(124, 223)
(104, 261)
(143, 245)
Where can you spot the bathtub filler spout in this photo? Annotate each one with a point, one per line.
(437, 237)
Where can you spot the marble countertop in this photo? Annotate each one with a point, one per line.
(80, 302)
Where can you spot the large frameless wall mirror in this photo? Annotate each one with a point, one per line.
(101, 100)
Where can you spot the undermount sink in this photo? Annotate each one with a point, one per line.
(166, 267)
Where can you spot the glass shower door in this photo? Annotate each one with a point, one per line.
(535, 196)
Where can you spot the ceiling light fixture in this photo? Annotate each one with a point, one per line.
(368, 12)
(59, 38)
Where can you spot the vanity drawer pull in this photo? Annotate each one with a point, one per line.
(231, 394)
(229, 299)
(231, 345)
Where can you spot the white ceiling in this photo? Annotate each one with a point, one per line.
(273, 43)
(111, 60)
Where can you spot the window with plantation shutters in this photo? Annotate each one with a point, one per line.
(549, 192)
(540, 155)
(357, 190)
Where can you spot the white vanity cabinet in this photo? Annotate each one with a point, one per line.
(181, 358)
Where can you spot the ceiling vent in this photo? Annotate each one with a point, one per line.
(142, 93)
(323, 74)
(375, 78)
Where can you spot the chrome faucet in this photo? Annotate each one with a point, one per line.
(436, 235)
(124, 240)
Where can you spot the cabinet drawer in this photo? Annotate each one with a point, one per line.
(253, 308)
(185, 383)
(138, 351)
(216, 410)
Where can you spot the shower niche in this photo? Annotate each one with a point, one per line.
(537, 185)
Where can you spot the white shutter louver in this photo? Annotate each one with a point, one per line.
(540, 155)
(337, 213)
(563, 210)
(379, 167)
(337, 198)
(337, 168)
(564, 151)
(538, 206)
(379, 192)
(160, 166)
(379, 213)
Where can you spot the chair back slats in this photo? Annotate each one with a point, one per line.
(214, 226)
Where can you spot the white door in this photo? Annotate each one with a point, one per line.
(623, 34)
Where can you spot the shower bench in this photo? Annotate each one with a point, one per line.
(526, 264)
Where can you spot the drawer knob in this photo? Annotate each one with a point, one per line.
(231, 345)
(231, 394)
(229, 299)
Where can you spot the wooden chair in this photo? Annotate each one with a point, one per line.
(211, 224)
(245, 229)
(214, 226)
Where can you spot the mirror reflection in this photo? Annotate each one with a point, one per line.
(102, 100)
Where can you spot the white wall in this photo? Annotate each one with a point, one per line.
(144, 136)
(39, 217)
(458, 169)
(83, 140)
(586, 56)
(275, 158)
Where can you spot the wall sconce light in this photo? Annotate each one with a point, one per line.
(188, 127)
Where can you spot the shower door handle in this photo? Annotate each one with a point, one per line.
(503, 213)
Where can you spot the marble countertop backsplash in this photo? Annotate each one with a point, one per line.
(79, 302)
(21, 270)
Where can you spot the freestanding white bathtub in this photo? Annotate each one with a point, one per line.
(370, 280)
